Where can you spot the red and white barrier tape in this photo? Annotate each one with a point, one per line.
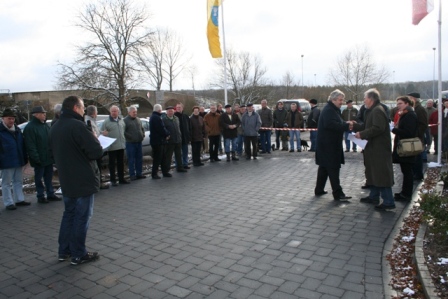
(288, 129)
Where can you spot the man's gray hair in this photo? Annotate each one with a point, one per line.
(132, 108)
(212, 105)
(158, 107)
(57, 109)
(91, 110)
(373, 94)
(114, 106)
(335, 94)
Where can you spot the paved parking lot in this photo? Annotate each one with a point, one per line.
(246, 229)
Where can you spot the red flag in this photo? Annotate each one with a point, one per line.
(420, 9)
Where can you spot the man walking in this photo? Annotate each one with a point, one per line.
(251, 123)
(12, 159)
(36, 141)
(158, 137)
(311, 123)
(134, 134)
(349, 114)
(329, 152)
(114, 127)
(75, 150)
(266, 122)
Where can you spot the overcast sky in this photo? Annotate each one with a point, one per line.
(35, 35)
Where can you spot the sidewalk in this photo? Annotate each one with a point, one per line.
(246, 229)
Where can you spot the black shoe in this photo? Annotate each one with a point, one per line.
(320, 193)
(167, 175)
(342, 198)
(347, 151)
(299, 150)
(63, 257)
(291, 151)
(311, 150)
(262, 152)
(11, 207)
(54, 198)
(354, 151)
(247, 158)
(418, 179)
(187, 167)
(133, 178)
(255, 158)
(181, 170)
(42, 200)
(141, 177)
(401, 197)
(383, 207)
(156, 177)
(365, 186)
(115, 184)
(369, 200)
(23, 203)
(89, 257)
(124, 182)
(104, 186)
(198, 164)
(212, 160)
(217, 159)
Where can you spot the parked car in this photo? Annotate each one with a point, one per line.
(23, 125)
(343, 107)
(147, 150)
(303, 104)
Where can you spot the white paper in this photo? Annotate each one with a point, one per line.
(106, 141)
(359, 142)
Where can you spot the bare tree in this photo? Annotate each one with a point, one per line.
(106, 63)
(151, 60)
(245, 74)
(288, 82)
(174, 58)
(355, 70)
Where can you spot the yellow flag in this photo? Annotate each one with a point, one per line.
(212, 28)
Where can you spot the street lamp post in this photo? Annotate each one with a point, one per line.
(393, 85)
(434, 75)
(314, 80)
(303, 84)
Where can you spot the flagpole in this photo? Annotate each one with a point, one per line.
(225, 53)
(439, 144)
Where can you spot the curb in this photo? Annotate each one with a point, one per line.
(422, 269)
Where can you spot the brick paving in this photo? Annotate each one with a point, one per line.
(246, 229)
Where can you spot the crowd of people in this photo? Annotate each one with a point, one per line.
(72, 145)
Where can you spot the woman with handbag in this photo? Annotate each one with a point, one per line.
(406, 127)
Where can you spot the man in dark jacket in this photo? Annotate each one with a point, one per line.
(229, 124)
(422, 118)
(134, 133)
(36, 141)
(157, 138)
(329, 152)
(311, 123)
(197, 136)
(279, 118)
(349, 114)
(174, 143)
(12, 159)
(185, 130)
(266, 122)
(75, 150)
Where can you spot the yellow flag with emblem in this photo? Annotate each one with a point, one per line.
(213, 28)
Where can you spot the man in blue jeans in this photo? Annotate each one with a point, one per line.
(266, 122)
(36, 141)
(75, 150)
(134, 135)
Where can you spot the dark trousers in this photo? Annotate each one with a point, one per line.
(118, 157)
(213, 146)
(436, 143)
(248, 141)
(45, 173)
(157, 153)
(408, 180)
(196, 152)
(333, 174)
(418, 167)
(167, 156)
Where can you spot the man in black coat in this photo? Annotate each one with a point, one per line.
(75, 150)
(329, 152)
(185, 129)
(158, 136)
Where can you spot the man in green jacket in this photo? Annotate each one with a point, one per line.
(36, 141)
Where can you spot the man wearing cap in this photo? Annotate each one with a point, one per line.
(36, 135)
(266, 122)
(229, 123)
(422, 119)
(251, 123)
(213, 129)
(311, 123)
(279, 118)
(349, 114)
(12, 159)
(240, 138)
(174, 143)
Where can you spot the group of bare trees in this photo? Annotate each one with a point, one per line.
(123, 51)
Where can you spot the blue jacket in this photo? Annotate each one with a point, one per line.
(12, 148)
(158, 132)
(251, 124)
